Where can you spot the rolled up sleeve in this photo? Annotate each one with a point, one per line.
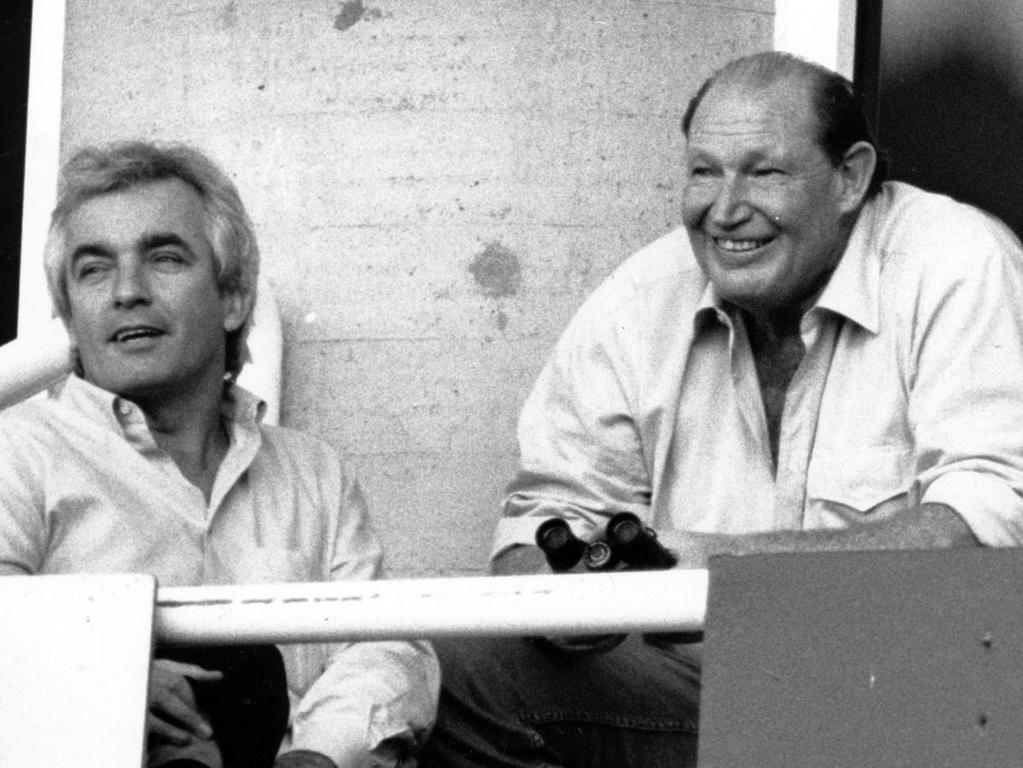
(966, 401)
(372, 706)
(581, 450)
(371, 703)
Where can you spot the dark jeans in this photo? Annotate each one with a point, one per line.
(513, 703)
(248, 708)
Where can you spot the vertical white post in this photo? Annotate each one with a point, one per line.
(823, 31)
(42, 153)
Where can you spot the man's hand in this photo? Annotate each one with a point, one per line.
(173, 716)
(304, 758)
(527, 560)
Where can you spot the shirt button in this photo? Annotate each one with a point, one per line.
(124, 409)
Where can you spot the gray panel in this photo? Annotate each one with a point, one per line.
(864, 659)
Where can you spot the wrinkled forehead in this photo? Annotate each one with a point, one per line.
(137, 217)
(736, 113)
(162, 203)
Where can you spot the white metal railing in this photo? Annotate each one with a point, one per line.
(624, 601)
(29, 365)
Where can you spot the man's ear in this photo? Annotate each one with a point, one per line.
(73, 356)
(856, 169)
(71, 335)
(237, 307)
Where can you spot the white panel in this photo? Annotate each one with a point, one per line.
(42, 152)
(74, 660)
(819, 30)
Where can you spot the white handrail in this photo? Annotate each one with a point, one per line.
(262, 374)
(29, 365)
(646, 601)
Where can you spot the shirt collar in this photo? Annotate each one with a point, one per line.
(710, 307)
(853, 290)
(240, 409)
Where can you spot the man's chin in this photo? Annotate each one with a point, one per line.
(743, 289)
(135, 386)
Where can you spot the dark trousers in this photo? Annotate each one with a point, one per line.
(512, 703)
(248, 708)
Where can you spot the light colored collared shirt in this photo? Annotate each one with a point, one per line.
(910, 391)
(85, 488)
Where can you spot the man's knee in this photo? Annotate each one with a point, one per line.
(519, 673)
(474, 663)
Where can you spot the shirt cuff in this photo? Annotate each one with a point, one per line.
(513, 532)
(992, 509)
(343, 740)
(370, 736)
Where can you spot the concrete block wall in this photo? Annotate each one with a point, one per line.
(436, 184)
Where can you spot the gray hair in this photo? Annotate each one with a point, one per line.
(95, 171)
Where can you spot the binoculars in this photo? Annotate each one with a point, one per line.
(626, 541)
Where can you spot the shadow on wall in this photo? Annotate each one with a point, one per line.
(952, 123)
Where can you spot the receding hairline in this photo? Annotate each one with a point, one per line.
(759, 73)
(766, 69)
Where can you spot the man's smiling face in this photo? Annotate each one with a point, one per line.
(146, 315)
(762, 204)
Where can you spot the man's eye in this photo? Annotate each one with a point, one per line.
(166, 257)
(767, 171)
(699, 171)
(88, 269)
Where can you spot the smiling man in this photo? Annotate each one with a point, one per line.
(819, 360)
(150, 459)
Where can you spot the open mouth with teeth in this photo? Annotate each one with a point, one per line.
(135, 333)
(740, 246)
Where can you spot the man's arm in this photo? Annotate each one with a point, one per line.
(929, 526)
(374, 701)
(520, 560)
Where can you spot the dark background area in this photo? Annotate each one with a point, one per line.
(15, 36)
(944, 82)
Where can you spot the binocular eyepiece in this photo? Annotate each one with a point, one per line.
(626, 540)
(637, 544)
(562, 547)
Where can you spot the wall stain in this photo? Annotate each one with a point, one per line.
(353, 11)
(497, 270)
(229, 16)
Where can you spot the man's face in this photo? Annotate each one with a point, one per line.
(763, 205)
(145, 312)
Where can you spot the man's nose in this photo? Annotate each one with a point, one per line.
(731, 203)
(131, 285)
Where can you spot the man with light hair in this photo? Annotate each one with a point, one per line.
(819, 360)
(149, 458)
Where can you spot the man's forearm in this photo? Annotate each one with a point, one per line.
(518, 561)
(930, 526)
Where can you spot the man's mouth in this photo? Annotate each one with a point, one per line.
(135, 332)
(740, 246)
